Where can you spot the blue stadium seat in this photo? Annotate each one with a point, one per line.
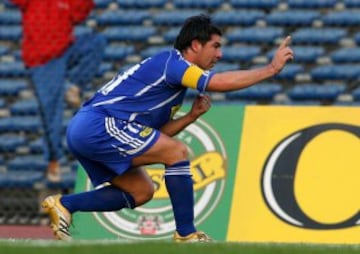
(342, 18)
(255, 34)
(223, 66)
(174, 17)
(303, 54)
(237, 17)
(122, 17)
(10, 17)
(171, 34)
(318, 35)
(25, 107)
(346, 55)
(336, 72)
(311, 4)
(292, 18)
(191, 94)
(102, 4)
(262, 91)
(289, 72)
(27, 162)
(352, 3)
(357, 38)
(13, 69)
(10, 142)
(150, 51)
(82, 30)
(256, 4)
(12, 87)
(356, 94)
(313, 91)
(103, 68)
(188, 4)
(37, 146)
(143, 4)
(4, 50)
(129, 33)
(115, 52)
(2, 103)
(28, 124)
(10, 32)
(240, 53)
(21, 179)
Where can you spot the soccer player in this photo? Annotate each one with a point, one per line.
(129, 123)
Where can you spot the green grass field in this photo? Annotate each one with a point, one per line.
(107, 247)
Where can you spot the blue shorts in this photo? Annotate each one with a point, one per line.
(105, 146)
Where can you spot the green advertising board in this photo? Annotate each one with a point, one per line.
(213, 143)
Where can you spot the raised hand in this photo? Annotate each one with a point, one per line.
(282, 55)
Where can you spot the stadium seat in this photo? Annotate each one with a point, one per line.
(25, 107)
(10, 142)
(21, 179)
(313, 91)
(122, 17)
(152, 50)
(82, 30)
(223, 66)
(27, 162)
(289, 72)
(102, 4)
(143, 4)
(67, 181)
(237, 17)
(13, 69)
(336, 72)
(256, 4)
(10, 17)
(240, 53)
(316, 36)
(171, 34)
(357, 38)
(262, 91)
(352, 3)
(129, 33)
(12, 87)
(3, 50)
(346, 55)
(2, 103)
(116, 52)
(103, 68)
(188, 4)
(313, 4)
(255, 34)
(10, 32)
(37, 146)
(356, 94)
(342, 18)
(294, 18)
(174, 17)
(27, 124)
(303, 54)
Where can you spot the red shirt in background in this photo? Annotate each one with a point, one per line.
(48, 27)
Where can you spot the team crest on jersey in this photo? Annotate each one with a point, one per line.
(154, 220)
(146, 132)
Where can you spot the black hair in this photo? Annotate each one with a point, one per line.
(199, 27)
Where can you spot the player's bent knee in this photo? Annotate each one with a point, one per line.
(144, 196)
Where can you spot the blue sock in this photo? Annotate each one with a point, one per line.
(108, 198)
(179, 185)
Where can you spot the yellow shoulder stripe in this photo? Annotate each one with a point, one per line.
(191, 76)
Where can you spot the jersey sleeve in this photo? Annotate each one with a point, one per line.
(181, 73)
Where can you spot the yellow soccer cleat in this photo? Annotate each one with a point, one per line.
(192, 238)
(60, 218)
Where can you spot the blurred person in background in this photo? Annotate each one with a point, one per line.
(54, 55)
(129, 123)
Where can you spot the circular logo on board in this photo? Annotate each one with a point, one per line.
(154, 220)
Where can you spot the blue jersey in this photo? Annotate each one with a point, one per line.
(152, 91)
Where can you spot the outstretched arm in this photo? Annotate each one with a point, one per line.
(235, 80)
(200, 105)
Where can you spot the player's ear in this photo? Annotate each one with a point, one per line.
(195, 45)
